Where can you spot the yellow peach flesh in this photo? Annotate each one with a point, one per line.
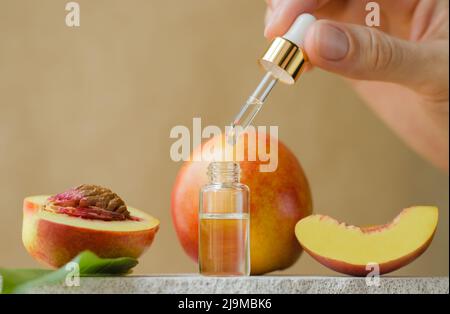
(327, 238)
(145, 221)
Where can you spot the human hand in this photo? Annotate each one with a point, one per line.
(400, 68)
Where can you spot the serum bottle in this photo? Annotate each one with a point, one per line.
(224, 223)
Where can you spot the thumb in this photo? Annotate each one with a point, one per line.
(365, 53)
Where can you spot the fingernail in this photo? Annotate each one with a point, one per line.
(331, 42)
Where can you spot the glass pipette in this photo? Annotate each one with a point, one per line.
(283, 61)
(251, 108)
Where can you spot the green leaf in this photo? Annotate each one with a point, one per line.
(12, 278)
(90, 264)
(87, 263)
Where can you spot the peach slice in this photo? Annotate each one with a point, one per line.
(55, 238)
(349, 249)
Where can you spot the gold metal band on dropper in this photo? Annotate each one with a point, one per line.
(284, 60)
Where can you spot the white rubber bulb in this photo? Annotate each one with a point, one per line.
(297, 32)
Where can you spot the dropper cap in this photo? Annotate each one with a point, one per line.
(285, 58)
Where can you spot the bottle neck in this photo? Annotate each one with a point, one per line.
(223, 172)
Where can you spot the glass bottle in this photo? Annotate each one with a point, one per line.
(224, 223)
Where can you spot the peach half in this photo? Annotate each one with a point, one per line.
(55, 238)
(351, 250)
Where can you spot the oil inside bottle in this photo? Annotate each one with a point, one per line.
(224, 241)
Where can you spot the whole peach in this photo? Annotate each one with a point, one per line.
(278, 200)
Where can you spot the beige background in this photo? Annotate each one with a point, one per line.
(96, 104)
